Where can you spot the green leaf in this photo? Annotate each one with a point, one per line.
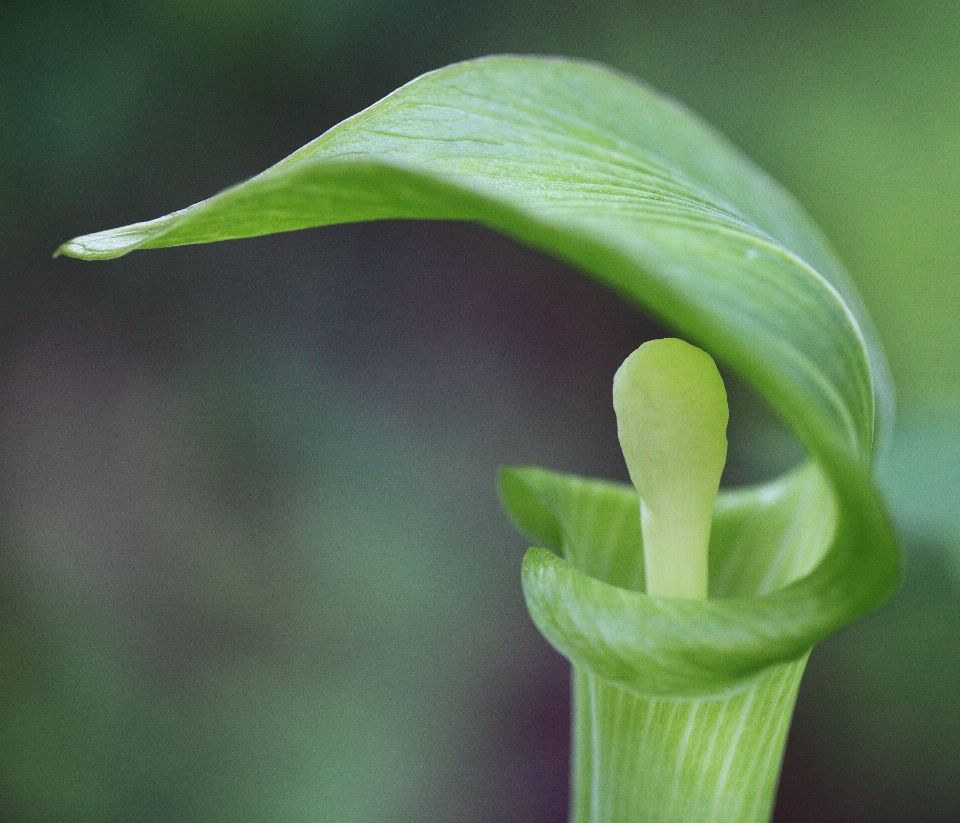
(623, 183)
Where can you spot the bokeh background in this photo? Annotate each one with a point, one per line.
(252, 565)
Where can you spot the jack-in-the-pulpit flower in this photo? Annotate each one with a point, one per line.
(661, 758)
(683, 701)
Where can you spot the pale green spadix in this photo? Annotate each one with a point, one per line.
(672, 414)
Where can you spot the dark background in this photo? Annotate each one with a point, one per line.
(252, 562)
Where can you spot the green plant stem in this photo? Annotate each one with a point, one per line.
(643, 760)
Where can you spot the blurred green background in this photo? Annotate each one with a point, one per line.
(253, 565)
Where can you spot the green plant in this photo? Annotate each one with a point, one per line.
(682, 704)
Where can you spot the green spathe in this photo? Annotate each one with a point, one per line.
(684, 703)
(672, 415)
(645, 749)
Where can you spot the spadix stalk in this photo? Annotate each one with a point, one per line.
(672, 414)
